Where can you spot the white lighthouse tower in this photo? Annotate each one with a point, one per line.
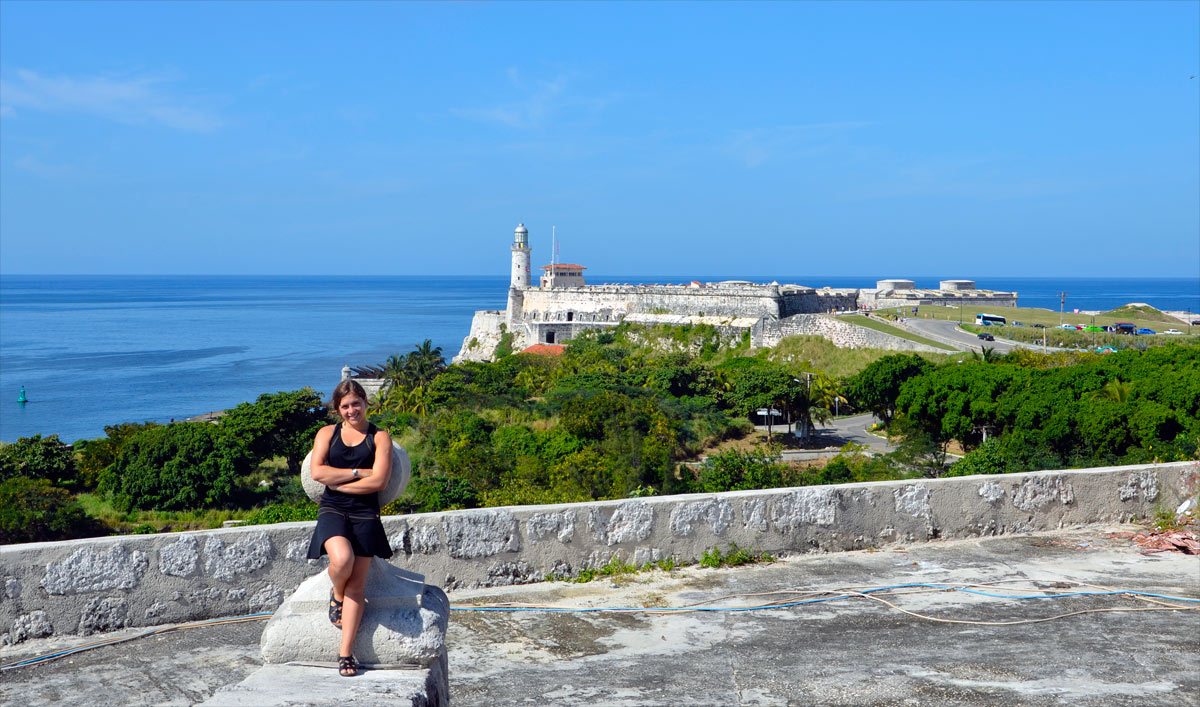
(519, 278)
(520, 258)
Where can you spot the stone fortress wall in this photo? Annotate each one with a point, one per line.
(554, 314)
(769, 332)
(104, 584)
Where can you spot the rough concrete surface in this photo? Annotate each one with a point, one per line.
(291, 685)
(404, 622)
(94, 585)
(850, 652)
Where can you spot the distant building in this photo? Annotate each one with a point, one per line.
(562, 275)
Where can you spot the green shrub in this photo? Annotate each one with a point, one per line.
(735, 470)
(34, 510)
(38, 457)
(734, 557)
(277, 424)
(281, 513)
(173, 467)
(95, 455)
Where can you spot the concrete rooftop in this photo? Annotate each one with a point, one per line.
(855, 651)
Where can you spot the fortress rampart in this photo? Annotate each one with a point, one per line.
(104, 584)
(555, 312)
(768, 332)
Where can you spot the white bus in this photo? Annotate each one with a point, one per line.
(990, 320)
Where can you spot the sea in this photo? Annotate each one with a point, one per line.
(91, 351)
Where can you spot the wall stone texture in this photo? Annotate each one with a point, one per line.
(483, 338)
(101, 584)
(768, 333)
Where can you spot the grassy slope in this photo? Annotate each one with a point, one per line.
(1151, 319)
(827, 358)
(877, 325)
(1142, 313)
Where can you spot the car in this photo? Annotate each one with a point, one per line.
(1173, 332)
(1196, 322)
(986, 337)
(1093, 328)
(1018, 323)
(1038, 326)
(1144, 330)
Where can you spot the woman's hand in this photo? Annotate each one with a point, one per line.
(371, 480)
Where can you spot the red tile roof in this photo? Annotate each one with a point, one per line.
(545, 349)
(564, 266)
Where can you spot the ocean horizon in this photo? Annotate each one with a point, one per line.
(94, 350)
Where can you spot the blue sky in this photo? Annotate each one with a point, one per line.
(975, 139)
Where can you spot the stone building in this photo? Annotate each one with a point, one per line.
(951, 293)
(563, 305)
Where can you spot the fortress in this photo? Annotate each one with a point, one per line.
(562, 305)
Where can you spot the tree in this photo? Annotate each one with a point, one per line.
(34, 510)
(38, 457)
(96, 455)
(958, 402)
(280, 424)
(765, 385)
(426, 362)
(877, 386)
(1115, 391)
(173, 467)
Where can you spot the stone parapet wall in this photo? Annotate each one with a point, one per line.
(769, 333)
(103, 584)
(761, 301)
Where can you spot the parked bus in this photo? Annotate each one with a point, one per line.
(989, 320)
(1124, 328)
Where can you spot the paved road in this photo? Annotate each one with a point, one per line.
(828, 440)
(949, 333)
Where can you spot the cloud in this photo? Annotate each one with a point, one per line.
(47, 170)
(134, 101)
(540, 102)
(756, 147)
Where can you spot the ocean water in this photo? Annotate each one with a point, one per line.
(95, 351)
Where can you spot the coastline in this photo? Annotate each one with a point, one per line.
(97, 351)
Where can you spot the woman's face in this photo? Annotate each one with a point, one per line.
(352, 409)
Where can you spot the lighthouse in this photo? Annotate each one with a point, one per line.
(520, 258)
(519, 277)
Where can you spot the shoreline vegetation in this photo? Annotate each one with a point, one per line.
(630, 412)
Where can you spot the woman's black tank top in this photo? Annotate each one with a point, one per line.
(360, 456)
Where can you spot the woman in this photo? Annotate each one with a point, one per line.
(353, 459)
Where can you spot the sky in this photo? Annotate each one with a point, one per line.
(839, 138)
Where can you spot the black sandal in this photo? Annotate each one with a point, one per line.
(335, 610)
(347, 663)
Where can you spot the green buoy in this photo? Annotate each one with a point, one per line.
(21, 396)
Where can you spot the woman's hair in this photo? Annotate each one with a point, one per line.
(347, 387)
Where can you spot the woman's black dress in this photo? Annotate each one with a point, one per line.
(352, 516)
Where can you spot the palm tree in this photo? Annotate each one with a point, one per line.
(1115, 390)
(426, 362)
(395, 370)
